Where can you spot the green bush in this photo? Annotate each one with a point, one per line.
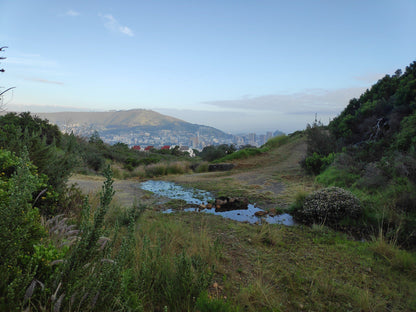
(317, 163)
(21, 230)
(156, 170)
(329, 206)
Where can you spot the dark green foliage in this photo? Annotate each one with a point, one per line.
(210, 153)
(51, 152)
(319, 140)
(320, 148)
(317, 163)
(376, 134)
(149, 160)
(377, 115)
(20, 231)
(406, 138)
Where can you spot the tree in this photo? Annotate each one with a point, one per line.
(3, 92)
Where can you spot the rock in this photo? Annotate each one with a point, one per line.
(272, 212)
(260, 213)
(227, 204)
(220, 167)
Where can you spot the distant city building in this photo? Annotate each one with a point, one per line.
(252, 139)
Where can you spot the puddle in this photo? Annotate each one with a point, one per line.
(199, 197)
(175, 191)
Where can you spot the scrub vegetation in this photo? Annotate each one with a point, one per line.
(350, 185)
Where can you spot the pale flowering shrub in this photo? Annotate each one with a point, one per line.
(329, 206)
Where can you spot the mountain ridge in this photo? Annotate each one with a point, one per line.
(123, 119)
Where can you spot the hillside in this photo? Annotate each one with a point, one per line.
(268, 267)
(122, 123)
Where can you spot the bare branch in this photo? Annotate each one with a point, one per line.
(6, 90)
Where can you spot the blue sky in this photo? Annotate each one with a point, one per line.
(237, 65)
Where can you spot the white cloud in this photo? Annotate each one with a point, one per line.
(305, 102)
(72, 13)
(285, 112)
(45, 81)
(31, 60)
(112, 24)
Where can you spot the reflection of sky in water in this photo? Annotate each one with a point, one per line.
(198, 197)
(175, 191)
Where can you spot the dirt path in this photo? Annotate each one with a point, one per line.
(266, 176)
(127, 193)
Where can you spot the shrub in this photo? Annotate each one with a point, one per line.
(372, 178)
(329, 206)
(155, 170)
(177, 167)
(317, 163)
(21, 230)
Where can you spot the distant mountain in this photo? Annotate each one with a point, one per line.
(111, 120)
(130, 125)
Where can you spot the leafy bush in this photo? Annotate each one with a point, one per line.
(329, 206)
(372, 177)
(21, 230)
(210, 153)
(156, 170)
(316, 163)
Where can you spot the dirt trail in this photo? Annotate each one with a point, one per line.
(265, 174)
(127, 191)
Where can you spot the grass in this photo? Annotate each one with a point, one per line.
(277, 268)
(246, 267)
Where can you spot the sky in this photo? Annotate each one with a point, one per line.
(238, 65)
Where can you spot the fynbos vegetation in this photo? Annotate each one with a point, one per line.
(63, 251)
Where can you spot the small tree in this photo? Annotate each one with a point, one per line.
(3, 92)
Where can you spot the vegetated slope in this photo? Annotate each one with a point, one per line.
(370, 148)
(383, 119)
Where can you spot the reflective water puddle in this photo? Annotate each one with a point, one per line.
(199, 197)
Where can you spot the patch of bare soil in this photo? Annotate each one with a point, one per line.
(127, 191)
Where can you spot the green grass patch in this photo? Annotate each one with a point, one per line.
(245, 153)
